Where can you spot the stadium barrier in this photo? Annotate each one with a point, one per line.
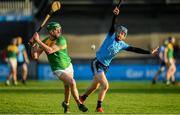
(115, 72)
(83, 72)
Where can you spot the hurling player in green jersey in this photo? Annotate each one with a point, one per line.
(55, 46)
(170, 61)
(12, 52)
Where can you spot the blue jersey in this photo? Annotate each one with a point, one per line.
(109, 49)
(20, 57)
(161, 51)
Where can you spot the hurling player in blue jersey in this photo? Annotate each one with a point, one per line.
(112, 45)
(163, 59)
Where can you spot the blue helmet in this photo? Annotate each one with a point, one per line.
(120, 28)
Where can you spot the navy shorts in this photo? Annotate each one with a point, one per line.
(20, 63)
(163, 64)
(98, 67)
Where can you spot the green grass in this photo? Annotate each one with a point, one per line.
(122, 98)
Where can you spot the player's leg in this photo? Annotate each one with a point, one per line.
(67, 94)
(155, 78)
(14, 75)
(104, 87)
(68, 79)
(9, 77)
(172, 77)
(10, 73)
(24, 73)
(94, 85)
(161, 69)
(170, 72)
(95, 65)
(14, 70)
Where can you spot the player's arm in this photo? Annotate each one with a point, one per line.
(17, 51)
(141, 51)
(26, 56)
(165, 55)
(161, 55)
(36, 51)
(46, 48)
(137, 50)
(112, 28)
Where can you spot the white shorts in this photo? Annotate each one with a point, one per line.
(12, 62)
(68, 70)
(171, 62)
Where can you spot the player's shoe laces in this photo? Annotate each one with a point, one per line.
(81, 99)
(66, 107)
(83, 108)
(99, 109)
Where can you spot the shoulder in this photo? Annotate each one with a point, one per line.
(8, 46)
(169, 45)
(110, 35)
(123, 42)
(15, 48)
(61, 38)
(21, 46)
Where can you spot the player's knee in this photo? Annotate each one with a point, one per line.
(72, 82)
(25, 70)
(97, 86)
(105, 86)
(94, 87)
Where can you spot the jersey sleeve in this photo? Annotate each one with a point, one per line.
(124, 45)
(23, 47)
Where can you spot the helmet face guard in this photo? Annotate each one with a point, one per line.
(120, 28)
(53, 25)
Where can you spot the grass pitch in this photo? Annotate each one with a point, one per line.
(39, 97)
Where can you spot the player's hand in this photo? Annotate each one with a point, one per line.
(36, 37)
(31, 42)
(27, 61)
(166, 61)
(116, 11)
(154, 51)
(174, 60)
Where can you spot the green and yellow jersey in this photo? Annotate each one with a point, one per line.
(170, 51)
(59, 59)
(12, 51)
